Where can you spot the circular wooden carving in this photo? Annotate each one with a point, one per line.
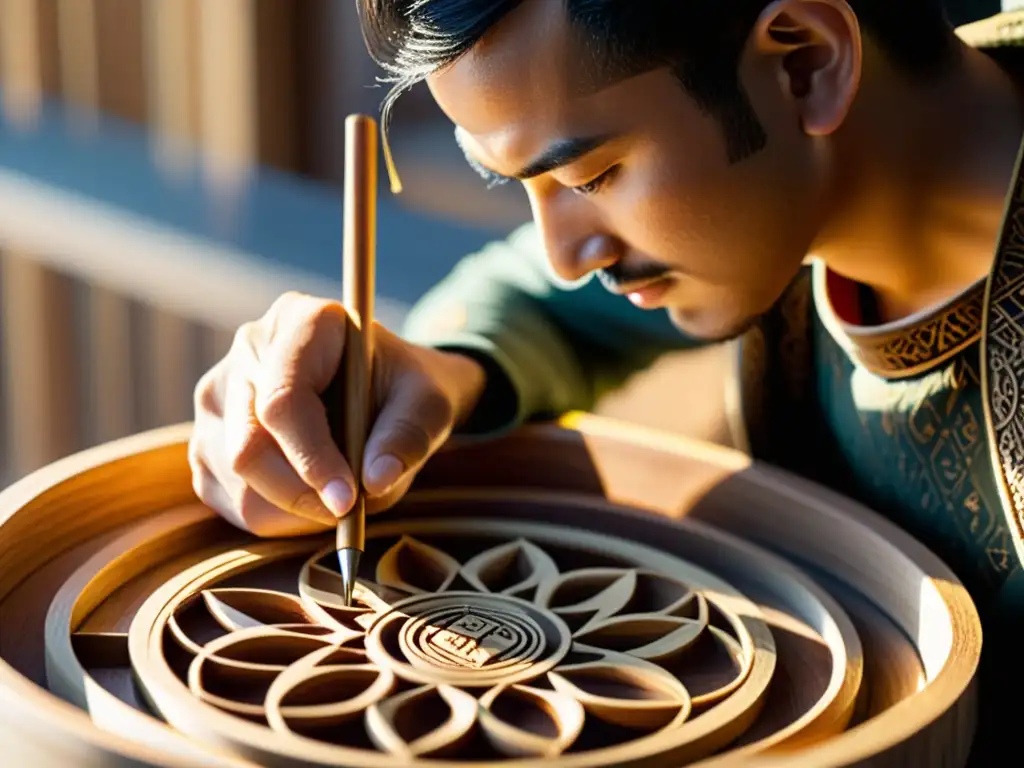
(480, 642)
(581, 595)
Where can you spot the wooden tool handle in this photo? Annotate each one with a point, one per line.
(359, 248)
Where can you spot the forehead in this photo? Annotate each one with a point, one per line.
(527, 76)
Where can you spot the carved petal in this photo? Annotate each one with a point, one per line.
(234, 672)
(585, 597)
(322, 589)
(181, 637)
(510, 569)
(717, 670)
(624, 690)
(245, 608)
(423, 722)
(657, 593)
(646, 637)
(502, 709)
(316, 692)
(265, 649)
(417, 568)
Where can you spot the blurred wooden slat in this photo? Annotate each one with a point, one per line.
(172, 79)
(278, 119)
(85, 30)
(79, 58)
(227, 111)
(112, 389)
(215, 344)
(172, 47)
(172, 370)
(40, 366)
(41, 415)
(119, 369)
(20, 61)
(229, 104)
(49, 46)
(121, 59)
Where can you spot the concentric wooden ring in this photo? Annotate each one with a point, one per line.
(731, 709)
(121, 519)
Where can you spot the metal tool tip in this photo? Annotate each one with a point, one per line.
(348, 564)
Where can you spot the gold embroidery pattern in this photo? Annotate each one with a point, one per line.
(919, 454)
(912, 349)
(1003, 362)
(938, 338)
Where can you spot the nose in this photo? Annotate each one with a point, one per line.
(575, 238)
(575, 259)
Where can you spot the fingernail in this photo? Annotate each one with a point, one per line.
(337, 495)
(384, 473)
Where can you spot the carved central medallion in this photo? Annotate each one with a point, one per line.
(468, 638)
(479, 643)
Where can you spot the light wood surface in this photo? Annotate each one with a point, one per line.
(853, 644)
(359, 286)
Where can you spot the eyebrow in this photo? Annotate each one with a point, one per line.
(561, 153)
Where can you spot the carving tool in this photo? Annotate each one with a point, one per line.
(358, 256)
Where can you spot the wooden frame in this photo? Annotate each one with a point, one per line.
(902, 637)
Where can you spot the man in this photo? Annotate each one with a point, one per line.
(824, 179)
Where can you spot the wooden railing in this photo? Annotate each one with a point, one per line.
(150, 202)
(83, 361)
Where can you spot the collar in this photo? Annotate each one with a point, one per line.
(906, 347)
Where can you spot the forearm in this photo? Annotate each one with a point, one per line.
(547, 350)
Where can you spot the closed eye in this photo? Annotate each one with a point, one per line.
(597, 183)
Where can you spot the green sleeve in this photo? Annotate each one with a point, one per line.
(548, 348)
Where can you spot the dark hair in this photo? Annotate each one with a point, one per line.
(700, 40)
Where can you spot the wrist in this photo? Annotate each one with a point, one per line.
(465, 379)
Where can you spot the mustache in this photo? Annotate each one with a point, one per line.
(620, 274)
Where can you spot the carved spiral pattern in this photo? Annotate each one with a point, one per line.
(504, 653)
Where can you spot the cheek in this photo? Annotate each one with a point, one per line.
(730, 226)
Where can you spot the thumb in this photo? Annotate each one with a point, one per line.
(415, 421)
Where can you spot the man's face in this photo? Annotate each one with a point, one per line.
(632, 180)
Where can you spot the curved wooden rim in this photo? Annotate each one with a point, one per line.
(27, 707)
(90, 470)
(952, 682)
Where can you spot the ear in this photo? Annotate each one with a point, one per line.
(818, 50)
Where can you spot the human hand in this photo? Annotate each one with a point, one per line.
(261, 451)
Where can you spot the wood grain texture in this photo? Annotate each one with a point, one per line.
(870, 669)
(359, 259)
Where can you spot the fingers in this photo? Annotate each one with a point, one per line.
(236, 465)
(414, 422)
(297, 365)
(239, 504)
(256, 459)
(264, 455)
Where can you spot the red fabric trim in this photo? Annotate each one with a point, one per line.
(844, 296)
